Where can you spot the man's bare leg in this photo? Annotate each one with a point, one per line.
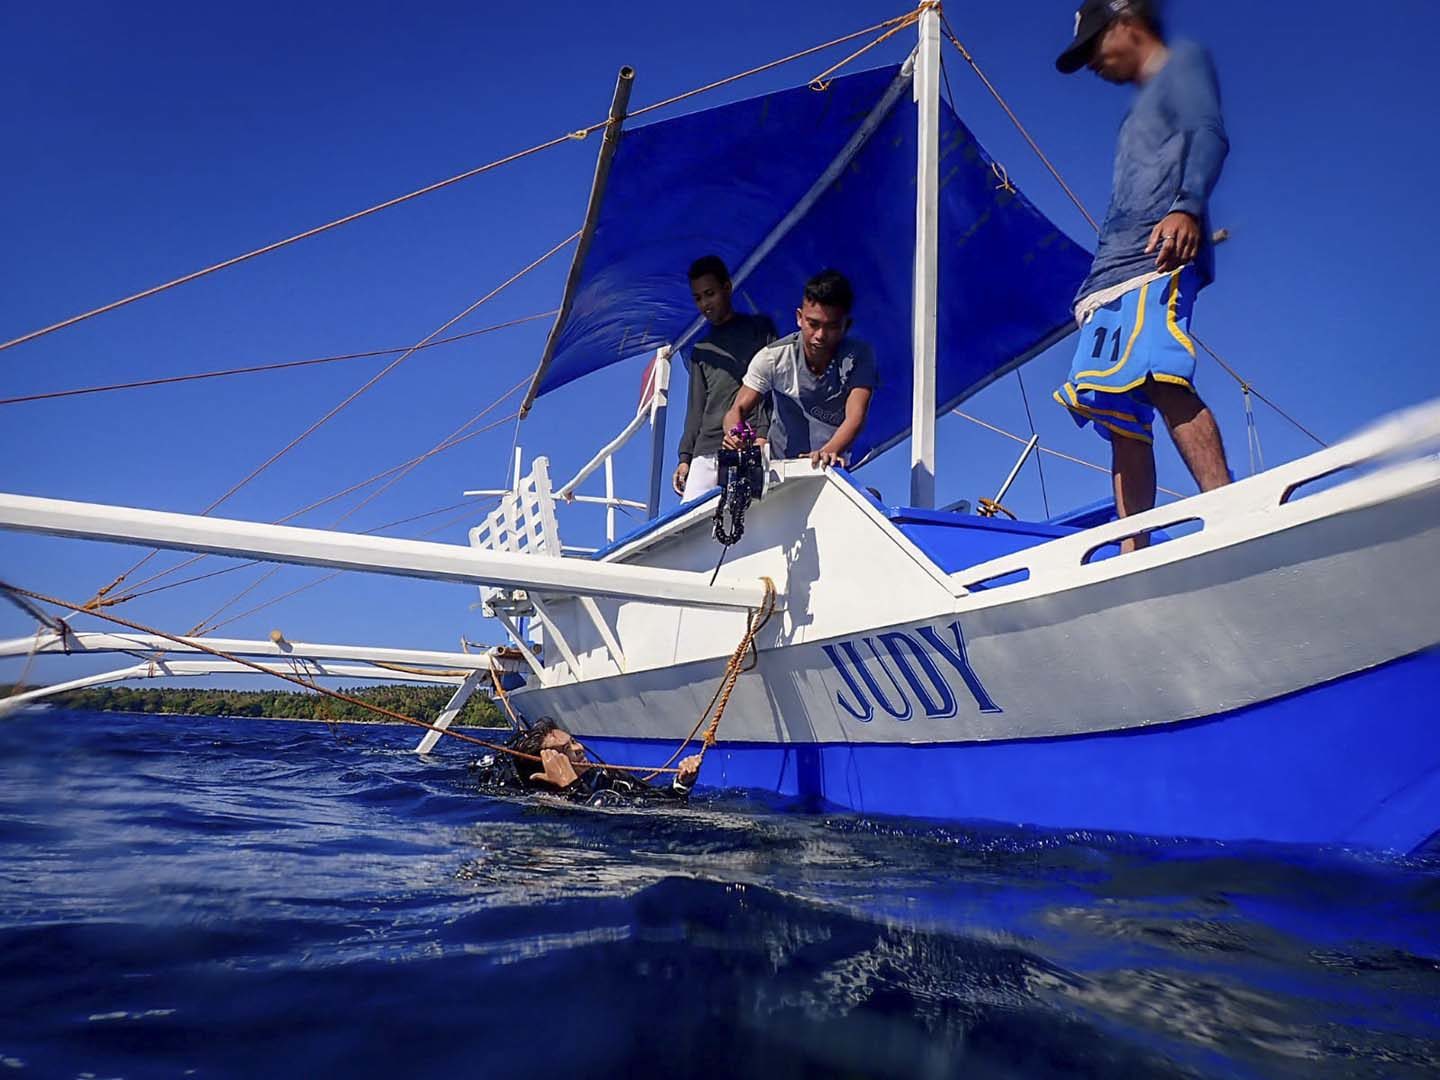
(1132, 467)
(1194, 430)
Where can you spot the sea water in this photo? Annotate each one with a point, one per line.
(239, 898)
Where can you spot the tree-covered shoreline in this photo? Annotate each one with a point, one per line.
(421, 702)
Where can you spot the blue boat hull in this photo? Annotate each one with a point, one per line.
(1353, 762)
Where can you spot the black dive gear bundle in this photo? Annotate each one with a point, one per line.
(742, 480)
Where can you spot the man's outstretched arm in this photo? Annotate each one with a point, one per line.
(745, 401)
(857, 407)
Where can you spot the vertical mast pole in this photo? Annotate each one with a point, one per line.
(927, 220)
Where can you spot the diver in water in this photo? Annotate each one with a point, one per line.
(566, 769)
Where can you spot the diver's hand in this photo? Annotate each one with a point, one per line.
(823, 459)
(682, 472)
(558, 770)
(689, 770)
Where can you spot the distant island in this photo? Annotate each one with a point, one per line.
(421, 702)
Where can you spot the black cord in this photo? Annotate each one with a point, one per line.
(1039, 457)
(725, 550)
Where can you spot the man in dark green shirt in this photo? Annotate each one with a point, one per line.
(718, 361)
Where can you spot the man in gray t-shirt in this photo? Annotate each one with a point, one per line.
(820, 379)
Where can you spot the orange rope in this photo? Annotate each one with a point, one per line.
(754, 623)
(32, 335)
(820, 82)
(505, 698)
(766, 67)
(170, 379)
(965, 54)
(198, 630)
(439, 448)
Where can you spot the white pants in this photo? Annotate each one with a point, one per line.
(704, 474)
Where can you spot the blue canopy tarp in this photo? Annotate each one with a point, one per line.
(719, 181)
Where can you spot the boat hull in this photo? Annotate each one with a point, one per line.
(1354, 762)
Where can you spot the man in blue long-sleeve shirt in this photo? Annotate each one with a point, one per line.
(1154, 255)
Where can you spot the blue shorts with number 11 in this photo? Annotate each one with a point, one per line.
(1142, 335)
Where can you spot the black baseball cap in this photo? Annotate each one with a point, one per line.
(1090, 22)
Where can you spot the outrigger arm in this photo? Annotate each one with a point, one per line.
(372, 554)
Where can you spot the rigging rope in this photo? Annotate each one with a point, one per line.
(1046, 450)
(18, 686)
(333, 574)
(505, 699)
(1039, 459)
(104, 591)
(969, 59)
(767, 67)
(386, 370)
(1245, 384)
(409, 467)
(257, 562)
(347, 401)
(308, 684)
(192, 560)
(577, 134)
(260, 368)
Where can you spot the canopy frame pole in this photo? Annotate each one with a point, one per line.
(659, 407)
(1019, 464)
(643, 412)
(610, 500)
(926, 278)
(624, 82)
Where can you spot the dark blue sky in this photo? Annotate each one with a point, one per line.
(146, 141)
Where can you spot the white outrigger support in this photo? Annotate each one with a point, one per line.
(456, 665)
(165, 669)
(609, 500)
(926, 279)
(450, 712)
(374, 554)
(467, 672)
(652, 401)
(524, 523)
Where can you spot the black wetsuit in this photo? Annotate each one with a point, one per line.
(596, 786)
